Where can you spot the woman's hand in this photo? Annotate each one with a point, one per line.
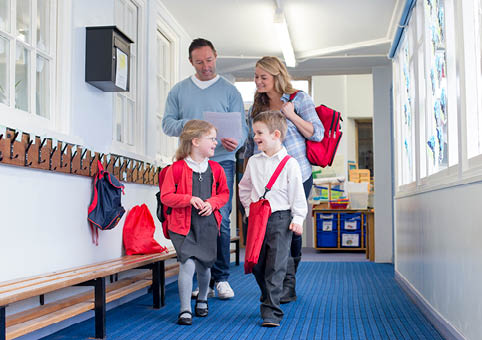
(304, 127)
(296, 228)
(288, 109)
(207, 210)
(197, 203)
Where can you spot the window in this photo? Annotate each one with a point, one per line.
(439, 130)
(248, 88)
(127, 122)
(164, 81)
(473, 74)
(27, 57)
(406, 104)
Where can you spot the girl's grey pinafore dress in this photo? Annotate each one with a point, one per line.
(201, 241)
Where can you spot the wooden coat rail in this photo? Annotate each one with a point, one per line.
(18, 148)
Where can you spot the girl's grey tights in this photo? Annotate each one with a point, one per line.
(184, 281)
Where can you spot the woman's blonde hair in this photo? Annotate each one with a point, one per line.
(194, 128)
(282, 82)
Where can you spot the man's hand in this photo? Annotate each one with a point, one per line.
(296, 228)
(197, 202)
(229, 144)
(207, 210)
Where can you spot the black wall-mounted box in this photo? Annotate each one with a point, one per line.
(107, 58)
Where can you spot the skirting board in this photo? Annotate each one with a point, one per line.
(446, 330)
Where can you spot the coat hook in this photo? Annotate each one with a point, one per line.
(50, 158)
(82, 160)
(62, 151)
(12, 141)
(29, 144)
(107, 165)
(40, 161)
(71, 159)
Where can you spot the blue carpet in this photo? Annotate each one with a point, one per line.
(335, 301)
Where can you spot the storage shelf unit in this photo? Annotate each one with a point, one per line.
(342, 229)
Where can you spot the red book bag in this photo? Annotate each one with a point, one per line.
(162, 210)
(322, 153)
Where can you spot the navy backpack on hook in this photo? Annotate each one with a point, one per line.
(105, 210)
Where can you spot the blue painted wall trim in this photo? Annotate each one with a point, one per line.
(407, 11)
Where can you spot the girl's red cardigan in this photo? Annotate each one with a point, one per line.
(180, 217)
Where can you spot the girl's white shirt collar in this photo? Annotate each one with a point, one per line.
(196, 166)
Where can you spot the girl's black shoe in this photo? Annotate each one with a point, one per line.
(201, 311)
(185, 320)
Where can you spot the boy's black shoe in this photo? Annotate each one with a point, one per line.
(202, 312)
(185, 320)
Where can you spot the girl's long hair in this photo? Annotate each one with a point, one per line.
(282, 82)
(194, 128)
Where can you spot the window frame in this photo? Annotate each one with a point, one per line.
(139, 118)
(29, 120)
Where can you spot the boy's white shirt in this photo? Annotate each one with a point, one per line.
(287, 192)
(196, 166)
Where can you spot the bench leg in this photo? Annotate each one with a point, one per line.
(156, 278)
(162, 270)
(237, 252)
(3, 323)
(100, 309)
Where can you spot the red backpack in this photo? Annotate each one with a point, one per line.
(162, 210)
(322, 153)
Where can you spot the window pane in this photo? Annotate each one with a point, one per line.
(119, 112)
(22, 66)
(406, 146)
(23, 20)
(43, 24)
(42, 94)
(4, 16)
(130, 121)
(4, 88)
(437, 116)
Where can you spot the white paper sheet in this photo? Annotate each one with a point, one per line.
(228, 124)
(121, 69)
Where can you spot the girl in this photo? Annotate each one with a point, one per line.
(195, 196)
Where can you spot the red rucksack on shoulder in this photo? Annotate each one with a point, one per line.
(162, 210)
(322, 153)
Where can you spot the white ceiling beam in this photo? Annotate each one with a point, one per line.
(342, 48)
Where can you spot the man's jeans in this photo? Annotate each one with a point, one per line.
(220, 270)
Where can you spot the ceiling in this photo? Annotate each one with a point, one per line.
(328, 36)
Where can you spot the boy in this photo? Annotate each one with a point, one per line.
(288, 207)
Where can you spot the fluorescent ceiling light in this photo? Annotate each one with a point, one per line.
(284, 38)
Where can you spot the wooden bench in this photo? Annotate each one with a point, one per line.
(94, 275)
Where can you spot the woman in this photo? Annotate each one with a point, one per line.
(273, 90)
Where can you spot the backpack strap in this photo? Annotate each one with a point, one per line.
(293, 95)
(216, 168)
(177, 168)
(275, 175)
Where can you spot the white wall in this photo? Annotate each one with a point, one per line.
(382, 163)
(44, 215)
(438, 251)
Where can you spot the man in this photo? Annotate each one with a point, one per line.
(206, 91)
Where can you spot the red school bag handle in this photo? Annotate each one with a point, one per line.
(259, 213)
